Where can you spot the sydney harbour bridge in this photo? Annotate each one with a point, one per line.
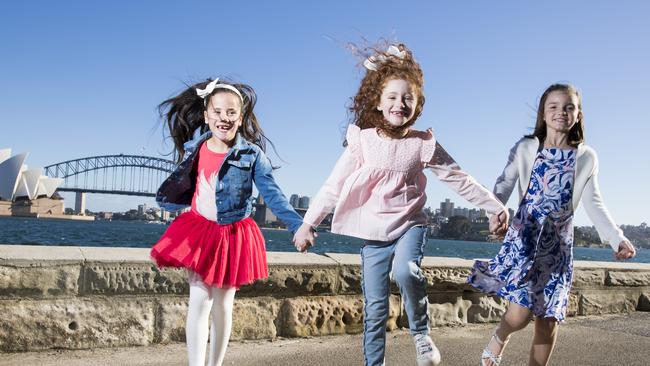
(131, 175)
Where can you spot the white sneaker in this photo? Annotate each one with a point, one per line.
(427, 353)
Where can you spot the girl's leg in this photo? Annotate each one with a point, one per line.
(543, 342)
(376, 260)
(221, 323)
(196, 327)
(516, 318)
(409, 251)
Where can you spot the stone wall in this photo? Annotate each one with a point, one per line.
(44, 205)
(5, 208)
(77, 297)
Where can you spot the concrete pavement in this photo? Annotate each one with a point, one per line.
(594, 340)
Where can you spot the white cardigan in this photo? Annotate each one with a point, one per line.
(520, 165)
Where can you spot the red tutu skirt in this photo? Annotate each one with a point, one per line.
(229, 255)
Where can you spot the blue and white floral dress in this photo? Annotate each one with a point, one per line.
(534, 267)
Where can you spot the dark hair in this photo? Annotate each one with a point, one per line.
(364, 103)
(577, 132)
(183, 115)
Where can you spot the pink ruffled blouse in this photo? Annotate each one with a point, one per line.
(377, 186)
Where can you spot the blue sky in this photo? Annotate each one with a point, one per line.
(81, 79)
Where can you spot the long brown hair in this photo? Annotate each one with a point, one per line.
(364, 103)
(577, 132)
(183, 115)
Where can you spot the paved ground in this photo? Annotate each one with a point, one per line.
(604, 340)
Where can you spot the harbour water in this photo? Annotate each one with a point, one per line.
(143, 235)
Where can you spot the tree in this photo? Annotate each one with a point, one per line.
(456, 228)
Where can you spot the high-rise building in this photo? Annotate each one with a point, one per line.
(294, 201)
(461, 211)
(303, 202)
(447, 208)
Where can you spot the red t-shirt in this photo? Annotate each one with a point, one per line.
(204, 201)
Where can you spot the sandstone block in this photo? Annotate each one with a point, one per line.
(255, 318)
(75, 323)
(349, 280)
(627, 278)
(610, 302)
(39, 281)
(586, 278)
(171, 314)
(449, 313)
(132, 278)
(644, 302)
(327, 315)
(443, 279)
(485, 308)
(286, 281)
(573, 306)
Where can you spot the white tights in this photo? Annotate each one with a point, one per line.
(203, 301)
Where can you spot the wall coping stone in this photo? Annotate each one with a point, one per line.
(295, 258)
(18, 255)
(345, 259)
(113, 255)
(630, 266)
(28, 254)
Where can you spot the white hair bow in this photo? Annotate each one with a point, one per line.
(214, 84)
(371, 62)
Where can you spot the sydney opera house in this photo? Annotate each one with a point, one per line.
(26, 192)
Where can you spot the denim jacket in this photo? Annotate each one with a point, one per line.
(244, 164)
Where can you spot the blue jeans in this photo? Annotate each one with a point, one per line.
(404, 256)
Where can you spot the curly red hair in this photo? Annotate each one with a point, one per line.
(364, 104)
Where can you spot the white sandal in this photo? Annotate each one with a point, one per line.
(488, 355)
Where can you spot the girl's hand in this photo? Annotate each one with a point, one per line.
(625, 250)
(499, 223)
(304, 237)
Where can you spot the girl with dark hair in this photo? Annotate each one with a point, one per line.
(377, 192)
(216, 240)
(534, 268)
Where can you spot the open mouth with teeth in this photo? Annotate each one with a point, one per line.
(224, 127)
(400, 113)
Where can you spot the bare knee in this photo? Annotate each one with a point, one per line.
(546, 328)
(517, 317)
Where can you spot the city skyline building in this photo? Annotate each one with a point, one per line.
(303, 202)
(294, 200)
(447, 208)
(299, 201)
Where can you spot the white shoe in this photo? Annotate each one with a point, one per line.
(488, 355)
(427, 353)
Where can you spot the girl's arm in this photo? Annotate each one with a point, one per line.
(448, 171)
(326, 198)
(598, 213)
(273, 196)
(506, 182)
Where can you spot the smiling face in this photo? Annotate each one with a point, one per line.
(397, 102)
(561, 111)
(223, 115)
